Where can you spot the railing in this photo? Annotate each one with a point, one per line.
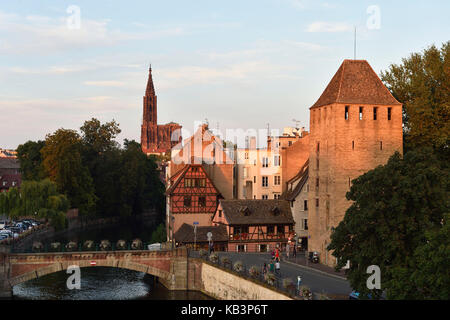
(83, 247)
(265, 278)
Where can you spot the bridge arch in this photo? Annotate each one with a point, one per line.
(25, 267)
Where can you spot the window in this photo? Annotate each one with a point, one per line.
(254, 179)
(318, 147)
(265, 181)
(360, 113)
(13, 183)
(280, 229)
(305, 223)
(276, 160)
(381, 145)
(375, 113)
(289, 143)
(317, 182)
(220, 213)
(389, 113)
(353, 145)
(202, 201)
(317, 202)
(246, 155)
(276, 196)
(270, 229)
(187, 182)
(265, 197)
(305, 205)
(265, 162)
(346, 112)
(292, 204)
(187, 201)
(276, 180)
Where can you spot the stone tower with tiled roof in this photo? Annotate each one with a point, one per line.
(355, 125)
(156, 139)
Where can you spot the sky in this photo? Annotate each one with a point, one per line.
(236, 64)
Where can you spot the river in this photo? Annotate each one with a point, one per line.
(101, 283)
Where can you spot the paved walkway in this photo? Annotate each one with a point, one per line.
(302, 261)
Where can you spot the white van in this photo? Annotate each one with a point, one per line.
(154, 247)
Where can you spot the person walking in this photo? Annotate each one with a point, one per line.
(271, 266)
(277, 267)
(288, 248)
(294, 251)
(264, 269)
(299, 282)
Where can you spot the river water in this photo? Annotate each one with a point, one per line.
(101, 283)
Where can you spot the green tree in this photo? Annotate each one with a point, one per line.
(63, 164)
(159, 235)
(422, 84)
(39, 199)
(30, 159)
(397, 221)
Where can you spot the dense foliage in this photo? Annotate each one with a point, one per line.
(96, 175)
(39, 199)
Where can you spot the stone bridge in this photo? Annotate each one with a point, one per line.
(169, 266)
(173, 268)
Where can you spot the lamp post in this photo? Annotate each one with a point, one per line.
(172, 218)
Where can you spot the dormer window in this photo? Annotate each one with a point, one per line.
(244, 210)
(275, 211)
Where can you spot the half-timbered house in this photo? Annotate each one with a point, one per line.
(192, 198)
(255, 225)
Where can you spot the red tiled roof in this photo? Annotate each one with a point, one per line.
(356, 82)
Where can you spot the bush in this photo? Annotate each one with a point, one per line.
(270, 278)
(238, 266)
(105, 245)
(203, 253)
(136, 244)
(214, 257)
(88, 245)
(254, 271)
(121, 245)
(71, 246)
(226, 262)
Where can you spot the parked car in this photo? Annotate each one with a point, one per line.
(2, 224)
(3, 237)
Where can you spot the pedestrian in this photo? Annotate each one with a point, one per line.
(271, 266)
(277, 266)
(265, 269)
(211, 247)
(273, 254)
(294, 251)
(277, 253)
(288, 247)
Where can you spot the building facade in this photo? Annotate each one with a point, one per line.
(255, 225)
(355, 125)
(156, 139)
(10, 175)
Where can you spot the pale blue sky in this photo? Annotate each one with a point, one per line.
(241, 64)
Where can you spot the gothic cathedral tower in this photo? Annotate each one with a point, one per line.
(355, 125)
(149, 129)
(156, 139)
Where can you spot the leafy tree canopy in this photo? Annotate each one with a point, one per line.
(399, 221)
(422, 84)
(30, 159)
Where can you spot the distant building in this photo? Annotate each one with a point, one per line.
(155, 138)
(255, 225)
(296, 193)
(9, 173)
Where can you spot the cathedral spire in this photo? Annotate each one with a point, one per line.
(150, 89)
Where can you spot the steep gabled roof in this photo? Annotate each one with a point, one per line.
(356, 82)
(257, 212)
(290, 195)
(186, 233)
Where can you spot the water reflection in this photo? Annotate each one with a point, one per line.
(100, 283)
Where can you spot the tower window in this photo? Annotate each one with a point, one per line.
(381, 145)
(375, 113)
(317, 202)
(353, 145)
(317, 182)
(389, 113)
(346, 112)
(360, 113)
(305, 205)
(318, 147)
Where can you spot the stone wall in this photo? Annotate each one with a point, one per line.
(224, 285)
